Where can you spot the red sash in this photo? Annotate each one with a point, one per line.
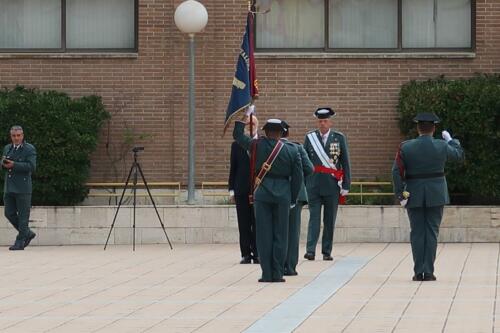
(338, 174)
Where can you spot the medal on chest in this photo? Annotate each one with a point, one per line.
(334, 152)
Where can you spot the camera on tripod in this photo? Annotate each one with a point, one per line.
(137, 149)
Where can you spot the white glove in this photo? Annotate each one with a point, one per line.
(231, 193)
(446, 136)
(250, 110)
(293, 206)
(344, 192)
(403, 202)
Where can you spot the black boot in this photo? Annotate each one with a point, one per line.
(18, 245)
(29, 239)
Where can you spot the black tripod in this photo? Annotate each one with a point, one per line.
(133, 169)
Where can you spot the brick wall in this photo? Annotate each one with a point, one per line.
(147, 94)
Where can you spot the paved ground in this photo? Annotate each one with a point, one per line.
(200, 288)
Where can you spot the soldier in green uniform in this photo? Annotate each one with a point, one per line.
(420, 185)
(19, 161)
(329, 184)
(278, 184)
(292, 255)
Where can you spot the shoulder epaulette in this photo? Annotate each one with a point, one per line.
(338, 132)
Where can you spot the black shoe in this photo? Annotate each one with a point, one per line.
(327, 257)
(256, 260)
(429, 277)
(30, 238)
(279, 280)
(309, 256)
(18, 245)
(265, 280)
(291, 273)
(246, 260)
(418, 277)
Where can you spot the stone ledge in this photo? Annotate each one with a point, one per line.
(372, 55)
(69, 55)
(196, 224)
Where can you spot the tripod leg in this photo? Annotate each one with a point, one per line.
(135, 192)
(118, 208)
(154, 205)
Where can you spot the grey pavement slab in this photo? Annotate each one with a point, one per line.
(202, 288)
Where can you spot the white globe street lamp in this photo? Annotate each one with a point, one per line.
(191, 17)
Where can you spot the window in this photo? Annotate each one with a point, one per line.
(68, 25)
(365, 25)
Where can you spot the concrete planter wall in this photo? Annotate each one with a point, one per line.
(217, 224)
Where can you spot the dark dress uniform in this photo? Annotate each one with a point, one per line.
(17, 190)
(272, 199)
(323, 190)
(239, 183)
(419, 170)
(292, 256)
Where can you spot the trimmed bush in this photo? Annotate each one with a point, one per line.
(64, 132)
(470, 110)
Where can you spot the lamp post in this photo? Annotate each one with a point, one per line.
(191, 17)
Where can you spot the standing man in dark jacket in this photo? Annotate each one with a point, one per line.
(330, 182)
(239, 189)
(292, 254)
(19, 161)
(420, 186)
(279, 178)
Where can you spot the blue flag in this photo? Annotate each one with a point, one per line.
(244, 82)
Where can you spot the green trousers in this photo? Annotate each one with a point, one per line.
(271, 224)
(17, 210)
(292, 254)
(424, 223)
(330, 204)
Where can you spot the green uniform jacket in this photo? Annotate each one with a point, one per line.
(307, 168)
(425, 155)
(18, 179)
(325, 184)
(287, 164)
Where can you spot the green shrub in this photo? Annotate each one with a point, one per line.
(470, 110)
(64, 132)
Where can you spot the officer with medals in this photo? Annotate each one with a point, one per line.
(330, 182)
(278, 179)
(292, 256)
(19, 162)
(420, 185)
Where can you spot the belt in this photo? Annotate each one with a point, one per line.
(277, 177)
(425, 175)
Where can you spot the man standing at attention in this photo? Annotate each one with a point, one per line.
(239, 189)
(330, 182)
(19, 161)
(278, 179)
(420, 186)
(292, 255)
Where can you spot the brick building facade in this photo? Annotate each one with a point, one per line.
(146, 91)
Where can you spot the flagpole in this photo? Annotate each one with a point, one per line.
(251, 9)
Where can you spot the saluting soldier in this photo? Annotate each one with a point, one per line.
(420, 185)
(292, 255)
(278, 179)
(19, 161)
(330, 182)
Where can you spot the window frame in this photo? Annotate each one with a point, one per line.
(396, 50)
(64, 49)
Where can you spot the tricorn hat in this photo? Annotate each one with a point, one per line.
(324, 113)
(274, 124)
(426, 117)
